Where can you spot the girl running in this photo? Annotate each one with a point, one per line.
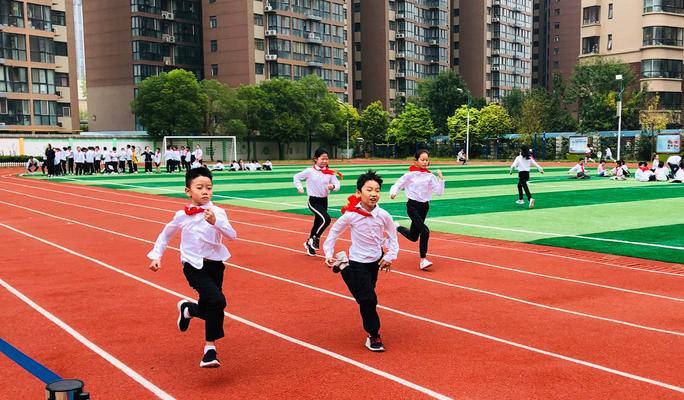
(320, 180)
(522, 163)
(419, 184)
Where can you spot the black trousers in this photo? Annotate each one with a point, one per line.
(130, 166)
(523, 177)
(79, 168)
(122, 166)
(96, 166)
(417, 211)
(319, 207)
(208, 282)
(673, 169)
(361, 279)
(148, 166)
(70, 163)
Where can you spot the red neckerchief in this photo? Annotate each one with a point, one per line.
(353, 201)
(328, 171)
(192, 210)
(413, 168)
(644, 168)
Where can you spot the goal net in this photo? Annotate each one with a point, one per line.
(214, 148)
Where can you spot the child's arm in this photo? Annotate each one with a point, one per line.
(335, 183)
(399, 185)
(298, 178)
(162, 241)
(220, 222)
(438, 184)
(514, 165)
(329, 245)
(392, 243)
(539, 168)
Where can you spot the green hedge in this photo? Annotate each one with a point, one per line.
(13, 159)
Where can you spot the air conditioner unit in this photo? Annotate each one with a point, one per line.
(168, 61)
(495, 67)
(401, 94)
(270, 32)
(401, 75)
(168, 39)
(434, 42)
(58, 93)
(344, 6)
(346, 85)
(60, 124)
(271, 57)
(399, 35)
(346, 49)
(312, 35)
(401, 55)
(268, 8)
(167, 15)
(495, 19)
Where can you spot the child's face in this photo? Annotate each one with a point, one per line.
(322, 161)
(423, 161)
(200, 190)
(370, 194)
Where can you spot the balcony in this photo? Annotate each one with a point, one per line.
(313, 38)
(310, 16)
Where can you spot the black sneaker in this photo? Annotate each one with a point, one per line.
(316, 243)
(374, 344)
(183, 322)
(210, 360)
(308, 245)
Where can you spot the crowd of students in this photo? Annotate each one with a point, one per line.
(671, 170)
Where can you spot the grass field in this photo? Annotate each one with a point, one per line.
(628, 218)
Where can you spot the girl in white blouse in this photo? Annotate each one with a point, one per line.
(522, 164)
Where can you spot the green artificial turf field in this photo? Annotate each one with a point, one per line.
(626, 218)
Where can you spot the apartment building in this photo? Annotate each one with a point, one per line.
(38, 83)
(494, 42)
(397, 44)
(646, 34)
(235, 42)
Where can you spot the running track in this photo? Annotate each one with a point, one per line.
(493, 320)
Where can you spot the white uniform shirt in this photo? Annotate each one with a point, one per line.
(577, 169)
(679, 176)
(367, 236)
(661, 174)
(656, 163)
(674, 160)
(79, 157)
(316, 182)
(156, 158)
(90, 156)
(129, 154)
(419, 186)
(523, 164)
(69, 154)
(198, 153)
(122, 155)
(107, 156)
(199, 239)
(642, 176)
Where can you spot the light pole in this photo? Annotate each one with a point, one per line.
(348, 155)
(619, 111)
(467, 124)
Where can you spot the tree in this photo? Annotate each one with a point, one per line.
(222, 106)
(321, 116)
(349, 118)
(513, 103)
(536, 114)
(282, 118)
(442, 97)
(254, 100)
(493, 121)
(414, 125)
(458, 123)
(652, 119)
(170, 104)
(374, 123)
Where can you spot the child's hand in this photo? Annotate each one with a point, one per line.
(385, 265)
(439, 174)
(329, 262)
(301, 191)
(331, 186)
(209, 216)
(393, 196)
(155, 265)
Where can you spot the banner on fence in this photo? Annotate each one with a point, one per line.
(578, 144)
(668, 143)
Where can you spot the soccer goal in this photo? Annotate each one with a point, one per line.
(214, 148)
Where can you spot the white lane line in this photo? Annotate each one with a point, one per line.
(86, 342)
(278, 214)
(479, 263)
(262, 328)
(436, 220)
(399, 312)
(480, 291)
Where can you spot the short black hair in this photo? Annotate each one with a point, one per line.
(195, 172)
(319, 152)
(420, 153)
(369, 175)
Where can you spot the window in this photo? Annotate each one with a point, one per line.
(357, 27)
(670, 100)
(13, 79)
(214, 69)
(556, 64)
(39, 17)
(661, 68)
(609, 44)
(213, 46)
(42, 49)
(63, 110)
(13, 46)
(591, 15)
(43, 81)
(259, 68)
(663, 36)
(258, 20)
(590, 45)
(61, 79)
(556, 11)
(556, 38)
(58, 18)
(259, 44)
(150, 51)
(61, 49)
(141, 72)
(556, 25)
(213, 23)
(212, 1)
(556, 51)
(17, 113)
(610, 11)
(146, 6)
(12, 13)
(669, 6)
(143, 26)
(45, 112)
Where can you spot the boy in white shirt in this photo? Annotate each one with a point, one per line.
(643, 174)
(601, 169)
(203, 256)
(578, 171)
(218, 166)
(32, 165)
(268, 165)
(372, 228)
(661, 173)
(673, 162)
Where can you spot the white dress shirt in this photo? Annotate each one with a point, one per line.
(679, 176)
(367, 236)
(674, 160)
(156, 158)
(419, 186)
(577, 169)
(661, 174)
(198, 153)
(90, 156)
(643, 176)
(79, 157)
(523, 164)
(200, 240)
(316, 182)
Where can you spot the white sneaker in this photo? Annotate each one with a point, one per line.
(519, 202)
(531, 203)
(425, 264)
